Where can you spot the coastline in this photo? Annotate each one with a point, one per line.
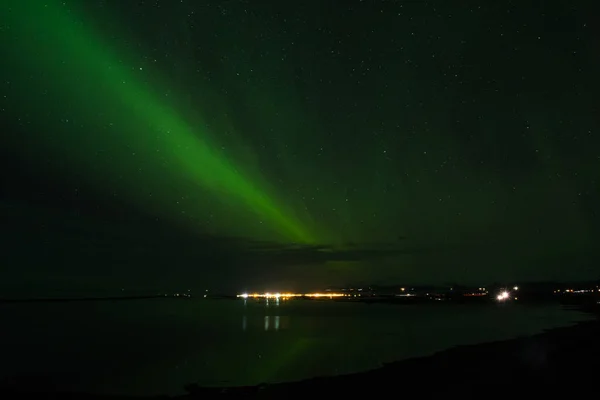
(564, 358)
(557, 359)
(554, 361)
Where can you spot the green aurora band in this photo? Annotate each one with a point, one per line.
(163, 163)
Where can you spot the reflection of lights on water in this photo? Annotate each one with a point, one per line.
(274, 326)
(269, 323)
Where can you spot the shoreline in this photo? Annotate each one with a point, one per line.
(557, 359)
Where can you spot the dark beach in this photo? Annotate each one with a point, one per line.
(562, 360)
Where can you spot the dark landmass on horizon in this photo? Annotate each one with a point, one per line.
(535, 290)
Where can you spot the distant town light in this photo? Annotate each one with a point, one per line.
(503, 296)
(516, 288)
(288, 295)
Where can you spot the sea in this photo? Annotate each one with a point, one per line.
(157, 346)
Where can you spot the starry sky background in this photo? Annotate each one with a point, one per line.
(267, 144)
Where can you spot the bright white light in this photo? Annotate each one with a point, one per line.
(516, 288)
(502, 296)
(245, 295)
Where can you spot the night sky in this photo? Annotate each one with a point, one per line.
(272, 144)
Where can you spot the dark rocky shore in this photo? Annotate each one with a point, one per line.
(562, 361)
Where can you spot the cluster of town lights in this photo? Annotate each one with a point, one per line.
(505, 295)
(288, 295)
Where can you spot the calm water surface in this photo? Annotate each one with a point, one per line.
(157, 346)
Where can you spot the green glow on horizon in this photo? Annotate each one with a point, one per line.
(154, 152)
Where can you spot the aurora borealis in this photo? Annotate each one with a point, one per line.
(159, 142)
(309, 142)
